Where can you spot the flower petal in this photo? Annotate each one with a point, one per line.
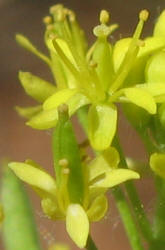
(108, 159)
(58, 98)
(77, 224)
(36, 87)
(115, 177)
(157, 90)
(48, 118)
(157, 163)
(159, 26)
(25, 43)
(44, 120)
(98, 208)
(34, 176)
(102, 121)
(28, 112)
(141, 98)
(154, 70)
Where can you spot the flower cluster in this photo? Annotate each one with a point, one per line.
(99, 77)
(78, 192)
(96, 78)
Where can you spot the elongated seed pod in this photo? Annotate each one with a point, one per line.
(102, 56)
(65, 148)
(19, 231)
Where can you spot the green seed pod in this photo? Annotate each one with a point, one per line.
(36, 87)
(18, 226)
(102, 57)
(155, 68)
(65, 150)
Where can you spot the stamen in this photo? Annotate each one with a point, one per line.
(66, 171)
(131, 54)
(143, 15)
(66, 61)
(54, 8)
(60, 15)
(50, 27)
(72, 16)
(63, 113)
(113, 27)
(47, 20)
(104, 17)
(63, 195)
(93, 64)
(64, 162)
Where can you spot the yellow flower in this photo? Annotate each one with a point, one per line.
(55, 199)
(100, 77)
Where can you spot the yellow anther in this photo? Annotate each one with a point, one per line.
(47, 20)
(104, 16)
(143, 15)
(61, 15)
(66, 171)
(63, 163)
(63, 109)
(93, 64)
(50, 27)
(72, 16)
(54, 8)
(141, 43)
(52, 36)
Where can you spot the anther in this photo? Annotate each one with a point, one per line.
(50, 27)
(47, 20)
(63, 163)
(104, 17)
(63, 108)
(72, 16)
(141, 43)
(66, 171)
(61, 15)
(143, 15)
(52, 36)
(54, 8)
(93, 64)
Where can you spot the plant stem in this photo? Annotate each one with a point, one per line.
(127, 219)
(122, 205)
(90, 244)
(159, 220)
(137, 206)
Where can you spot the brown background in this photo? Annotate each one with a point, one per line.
(20, 142)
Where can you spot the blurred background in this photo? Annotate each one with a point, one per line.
(19, 142)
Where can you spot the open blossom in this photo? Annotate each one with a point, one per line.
(93, 80)
(97, 78)
(77, 194)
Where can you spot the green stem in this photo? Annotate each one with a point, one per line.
(90, 244)
(127, 219)
(159, 220)
(122, 205)
(137, 206)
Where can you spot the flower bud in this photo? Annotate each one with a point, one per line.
(155, 68)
